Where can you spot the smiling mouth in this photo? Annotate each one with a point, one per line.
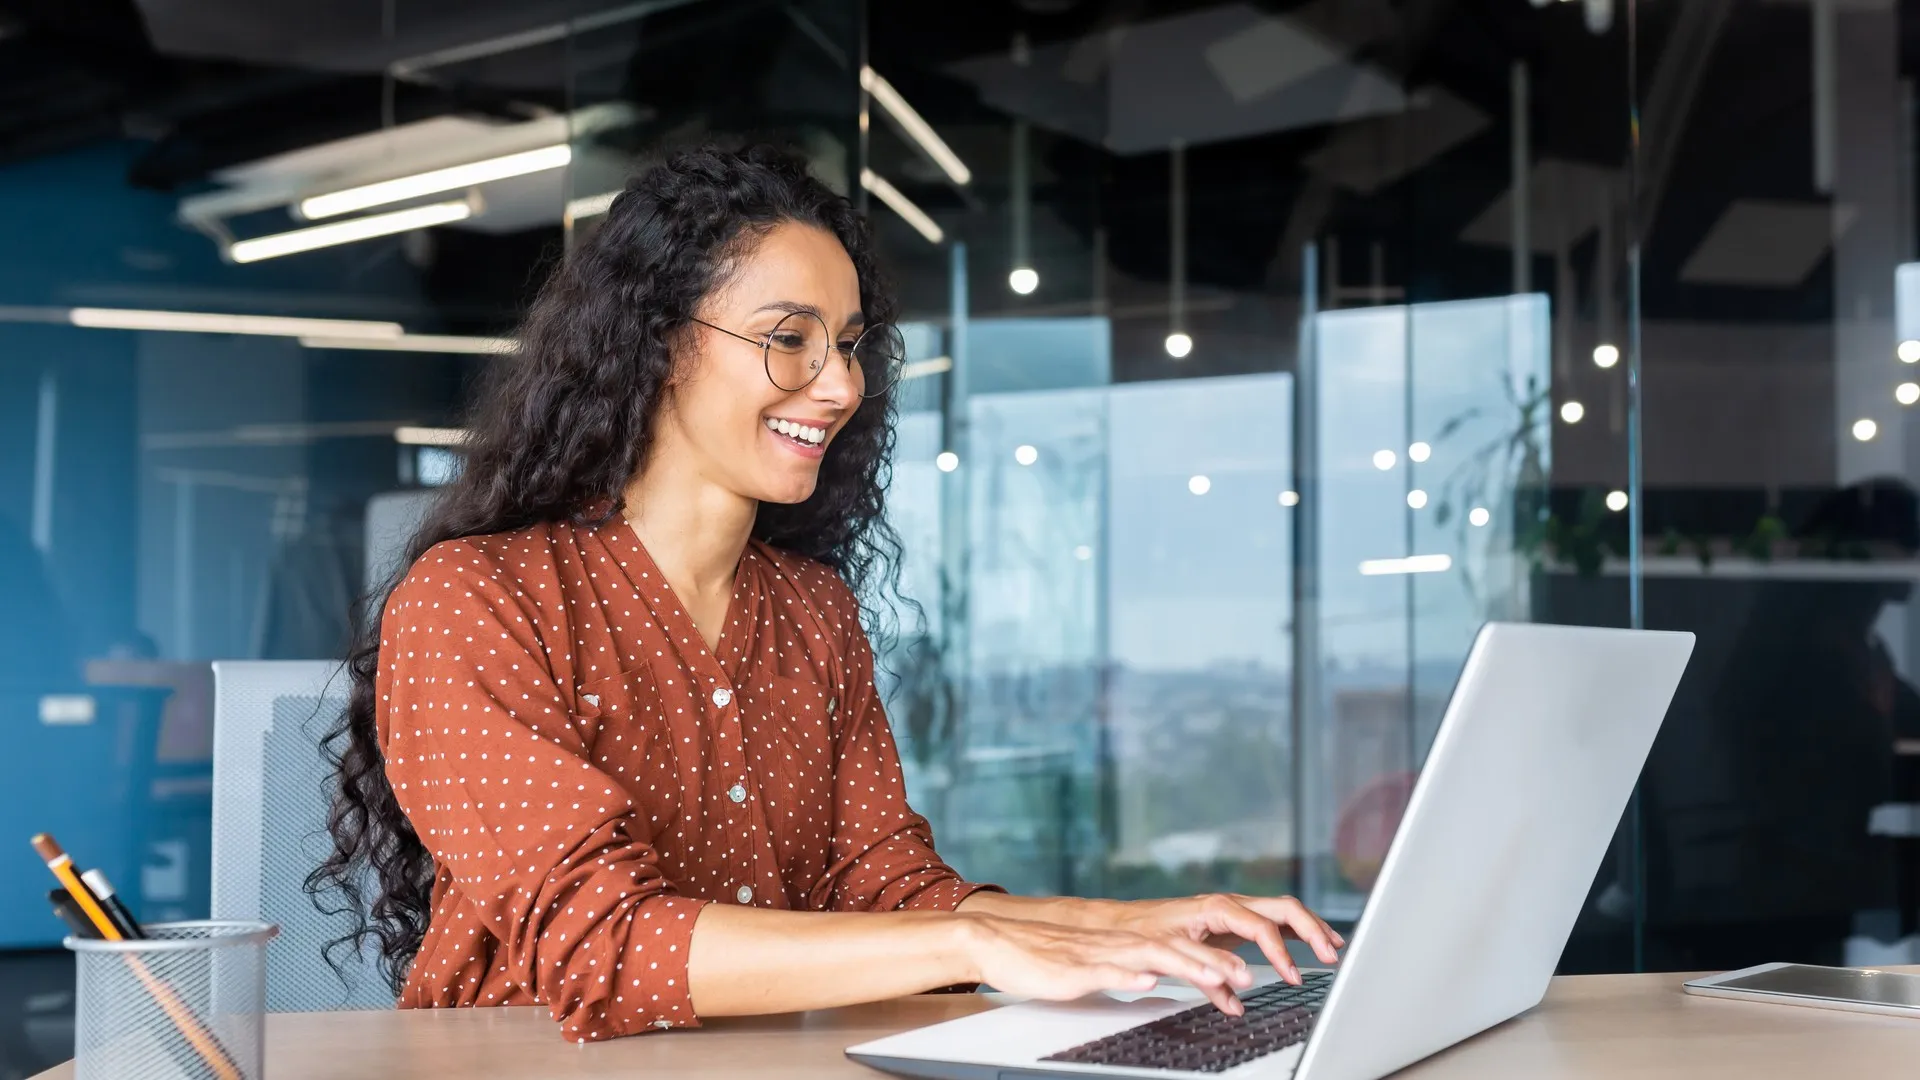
(810, 437)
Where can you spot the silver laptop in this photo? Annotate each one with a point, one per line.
(1512, 813)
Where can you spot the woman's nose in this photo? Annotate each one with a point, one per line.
(838, 382)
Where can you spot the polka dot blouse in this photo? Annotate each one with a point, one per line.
(588, 775)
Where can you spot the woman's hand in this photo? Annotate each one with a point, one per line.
(1058, 962)
(1226, 920)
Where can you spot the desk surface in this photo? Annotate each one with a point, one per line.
(1590, 1026)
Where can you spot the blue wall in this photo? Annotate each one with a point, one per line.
(72, 232)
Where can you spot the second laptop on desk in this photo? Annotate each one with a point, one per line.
(1528, 775)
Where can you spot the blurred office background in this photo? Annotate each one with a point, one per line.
(1261, 351)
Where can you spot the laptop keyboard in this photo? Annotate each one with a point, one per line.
(1204, 1039)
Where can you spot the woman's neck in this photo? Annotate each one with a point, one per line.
(693, 529)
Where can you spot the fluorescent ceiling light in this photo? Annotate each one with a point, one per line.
(587, 206)
(200, 322)
(267, 435)
(435, 181)
(917, 129)
(430, 436)
(346, 232)
(1412, 564)
(425, 343)
(920, 369)
(902, 205)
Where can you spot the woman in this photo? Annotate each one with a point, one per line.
(616, 747)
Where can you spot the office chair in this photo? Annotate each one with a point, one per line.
(271, 791)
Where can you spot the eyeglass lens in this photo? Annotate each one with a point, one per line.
(798, 347)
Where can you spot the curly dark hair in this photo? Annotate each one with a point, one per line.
(557, 432)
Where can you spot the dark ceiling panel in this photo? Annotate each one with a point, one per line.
(340, 35)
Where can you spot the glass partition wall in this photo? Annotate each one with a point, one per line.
(1288, 347)
(1777, 202)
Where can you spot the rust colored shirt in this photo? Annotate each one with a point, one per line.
(588, 775)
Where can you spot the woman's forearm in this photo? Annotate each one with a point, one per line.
(748, 961)
(1059, 910)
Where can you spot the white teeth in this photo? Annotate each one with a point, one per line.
(806, 434)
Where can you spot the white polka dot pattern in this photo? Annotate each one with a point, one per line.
(588, 775)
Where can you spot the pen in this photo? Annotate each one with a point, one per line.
(190, 1026)
(64, 907)
(111, 903)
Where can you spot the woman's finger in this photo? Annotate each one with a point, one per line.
(1222, 994)
(1291, 914)
(1332, 934)
(1118, 977)
(1253, 926)
(1232, 969)
(1165, 956)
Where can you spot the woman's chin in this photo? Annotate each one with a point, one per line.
(790, 491)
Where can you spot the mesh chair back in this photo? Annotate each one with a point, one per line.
(271, 792)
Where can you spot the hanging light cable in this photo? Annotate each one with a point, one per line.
(1179, 342)
(1022, 278)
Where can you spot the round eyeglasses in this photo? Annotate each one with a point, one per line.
(798, 347)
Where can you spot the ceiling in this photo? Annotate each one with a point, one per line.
(1385, 123)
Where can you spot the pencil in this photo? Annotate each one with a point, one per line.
(203, 1040)
(62, 866)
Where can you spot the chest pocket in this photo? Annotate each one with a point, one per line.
(627, 737)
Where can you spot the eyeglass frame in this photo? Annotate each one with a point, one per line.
(765, 342)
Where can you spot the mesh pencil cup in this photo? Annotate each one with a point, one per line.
(187, 1002)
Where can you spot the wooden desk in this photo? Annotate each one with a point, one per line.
(1590, 1026)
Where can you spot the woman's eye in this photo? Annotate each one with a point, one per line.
(846, 347)
(789, 342)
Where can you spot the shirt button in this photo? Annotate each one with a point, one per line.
(737, 793)
(722, 696)
(745, 895)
